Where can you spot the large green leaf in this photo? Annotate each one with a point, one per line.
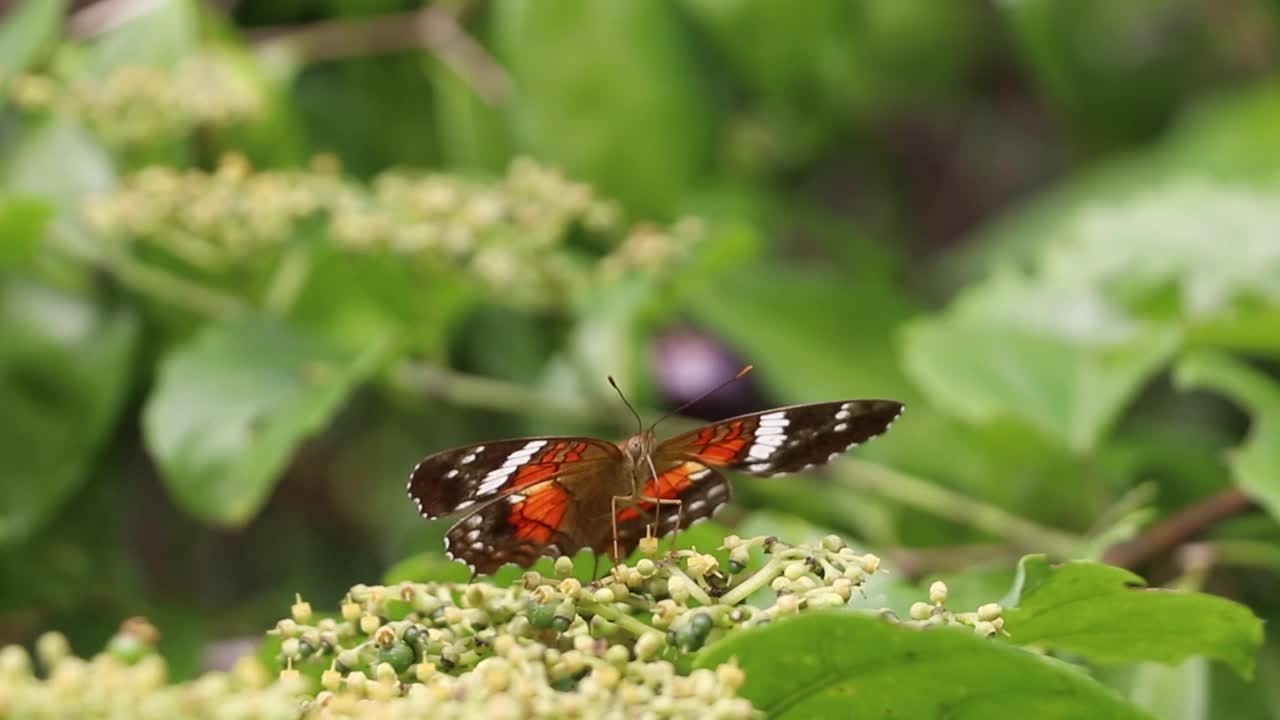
(1096, 611)
(1179, 692)
(23, 221)
(1235, 137)
(232, 405)
(58, 160)
(775, 316)
(1059, 359)
(846, 665)
(1085, 55)
(24, 30)
(569, 59)
(64, 370)
(160, 35)
(1067, 344)
(1256, 464)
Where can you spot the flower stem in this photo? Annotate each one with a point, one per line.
(760, 579)
(612, 614)
(287, 282)
(694, 588)
(909, 490)
(489, 394)
(172, 289)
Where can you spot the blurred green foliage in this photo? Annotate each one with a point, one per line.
(254, 265)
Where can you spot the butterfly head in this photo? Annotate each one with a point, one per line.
(639, 447)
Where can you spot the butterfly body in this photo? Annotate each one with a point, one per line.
(551, 496)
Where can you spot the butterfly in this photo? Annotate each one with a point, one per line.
(551, 496)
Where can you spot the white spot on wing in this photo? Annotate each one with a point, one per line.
(841, 427)
(771, 440)
(759, 467)
(451, 474)
(843, 414)
(761, 452)
(467, 458)
(779, 415)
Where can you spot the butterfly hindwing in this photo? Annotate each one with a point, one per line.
(516, 528)
(465, 478)
(784, 440)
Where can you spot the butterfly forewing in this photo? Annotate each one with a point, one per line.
(784, 440)
(465, 478)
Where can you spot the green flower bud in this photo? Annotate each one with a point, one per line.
(356, 683)
(600, 627)
(541, 615)
(921, 611)
(301, 611)
(648, 645)
(564, 566)
(351, 612)
(938, 593)
(52, 647)
(398, 656)
(990, 611)
(677, 588)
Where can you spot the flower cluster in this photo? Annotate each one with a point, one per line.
(136, 105)
(549, 646)
(534, 238)
(986, 621)
(129, 679)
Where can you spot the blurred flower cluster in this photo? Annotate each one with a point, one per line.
(546, 647)
(533, 237)
(136, 105)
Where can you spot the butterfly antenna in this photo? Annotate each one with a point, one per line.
(639, 422)
(741, 374)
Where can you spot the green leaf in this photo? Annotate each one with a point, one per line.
(646, 146)
(23, 221)
(789, 308)
(64, 372)
(160, 35)
(25, 29)
(232, 405)
(1180, 692)
(846, 665)
(1120, 287)
(1012, 348)
(1095, 611)
(1235, 138)
(1071, 46)
(472, 133)
(58, 160)
(1255, 465)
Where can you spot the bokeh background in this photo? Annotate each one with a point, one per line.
(256, 259)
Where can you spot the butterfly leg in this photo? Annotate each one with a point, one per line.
(613, 515)
(657, 527)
